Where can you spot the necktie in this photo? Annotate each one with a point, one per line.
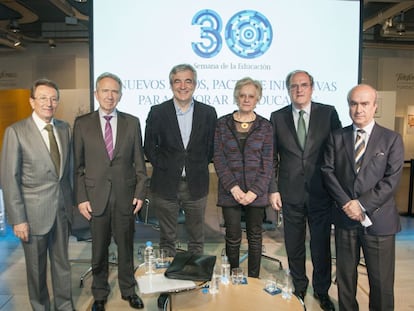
(301, 131)
(359, 148)
(109, 142)
(53, 147)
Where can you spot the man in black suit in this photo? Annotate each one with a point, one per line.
(179, 140)
(362, 168)
(300, 133)
(110, 178)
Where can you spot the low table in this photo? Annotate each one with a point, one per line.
(249, 297)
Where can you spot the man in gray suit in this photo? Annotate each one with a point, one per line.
(362, 168)
(110, 178)
(300, 132)
(36, 181)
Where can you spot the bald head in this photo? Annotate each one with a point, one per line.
(362, 101)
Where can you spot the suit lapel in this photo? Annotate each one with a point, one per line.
(290, 124)
(64, 143)
(370, 148)
(314, 119)
(173, 121)
(120, 132)
(348, 137)
(196, 123)
(40, 144)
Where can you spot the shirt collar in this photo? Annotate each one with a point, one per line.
(307, 109)
(39, 122)
(367, 129)
(178, 108)
(102, 114)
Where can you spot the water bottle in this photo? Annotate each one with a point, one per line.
(149, 258)
(225, 270)
(287, 286)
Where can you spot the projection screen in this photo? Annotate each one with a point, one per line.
(225, 41)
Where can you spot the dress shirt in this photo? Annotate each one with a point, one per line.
(40, 124)
(306, 116)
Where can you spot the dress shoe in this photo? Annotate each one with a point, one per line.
(98, 305)
(300, 294)
(134, 301)
(325, 302)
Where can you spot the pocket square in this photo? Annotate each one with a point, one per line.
(380, 154)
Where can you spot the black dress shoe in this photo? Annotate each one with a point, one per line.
(98, 305)
(324, 301)
(300, 294)
(134, 301)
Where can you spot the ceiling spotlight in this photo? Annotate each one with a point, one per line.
(52, 43)
(81, 1)
(14, 26)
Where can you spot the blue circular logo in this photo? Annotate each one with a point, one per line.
(248, 34)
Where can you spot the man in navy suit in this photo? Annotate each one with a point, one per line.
(362, 175)
(300, 132)
(179, 139)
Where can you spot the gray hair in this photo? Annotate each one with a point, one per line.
(112, 76)
(246, 81)
(182, 67)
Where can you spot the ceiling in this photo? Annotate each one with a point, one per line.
(42, 21)
(386, 23)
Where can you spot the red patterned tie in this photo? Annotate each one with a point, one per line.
(109, 142)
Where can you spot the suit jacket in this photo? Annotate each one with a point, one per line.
(33, 191)
(165, 150)
(297, 170)
(375, 184)
(96, 176)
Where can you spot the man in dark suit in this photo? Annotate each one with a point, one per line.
(362, 168)
(179, 139)
(36, 180)
(110, 178)
(300, 133)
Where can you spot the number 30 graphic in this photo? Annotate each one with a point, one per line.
(248, 34)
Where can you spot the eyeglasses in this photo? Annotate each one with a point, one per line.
(295, 87)
(44, 99)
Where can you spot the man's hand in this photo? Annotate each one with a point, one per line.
(138, 205)
(353, 210)
(85, 209)
(22, 231)
(275, 201)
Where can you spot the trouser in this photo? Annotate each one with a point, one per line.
(254, 220)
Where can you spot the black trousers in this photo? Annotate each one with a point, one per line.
(167, 214)
(254, 220)
(318, 215)
(379, 255)
(110, 224)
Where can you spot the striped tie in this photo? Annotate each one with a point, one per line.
(109, 142)
(359, 149)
